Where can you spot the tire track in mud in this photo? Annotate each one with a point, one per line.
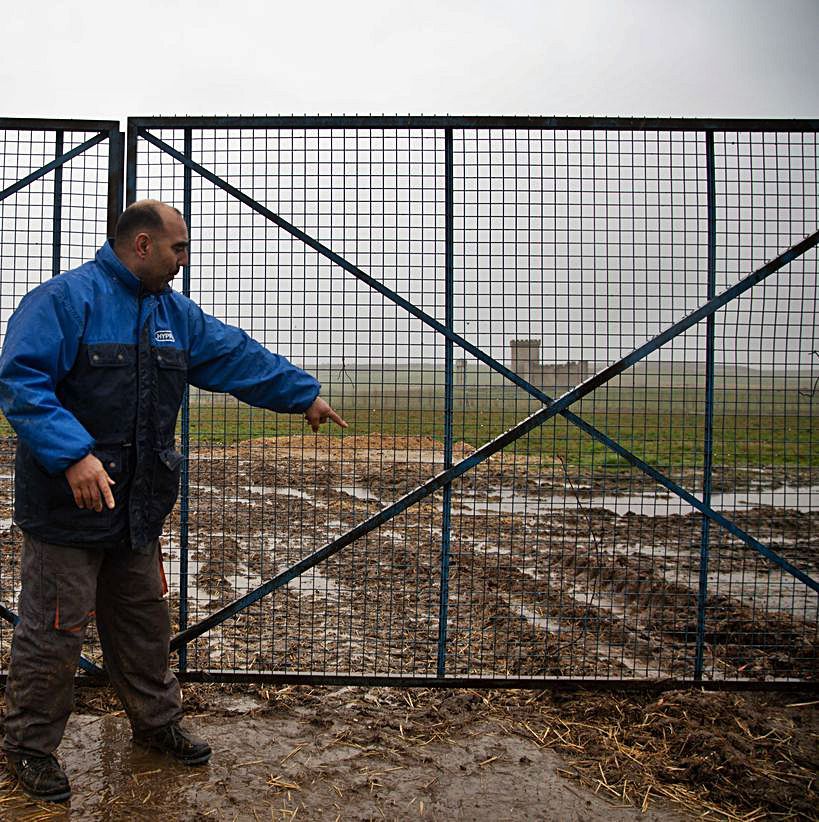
(541, 583)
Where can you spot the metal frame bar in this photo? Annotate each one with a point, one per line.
(131, 139)
(505, 682)
(116, 169)
(43, 124)
(184, 496)
(708, 444)
(8, 615)
(483, 122)
(57, 209)
(94, 679)
(449, 399)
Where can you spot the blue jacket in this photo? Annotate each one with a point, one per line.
(92, 363)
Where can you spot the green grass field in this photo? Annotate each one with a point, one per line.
(663, 430)
(757, 423)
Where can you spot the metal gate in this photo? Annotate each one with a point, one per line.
(61, 190)
(528, 490)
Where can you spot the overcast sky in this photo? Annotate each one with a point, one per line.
(686, 58)
(93, 59)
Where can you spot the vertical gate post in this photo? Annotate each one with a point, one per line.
(57, 208)
(116, 173)
(708, 460)
(131, 167)
(184, 493)
(449, 318)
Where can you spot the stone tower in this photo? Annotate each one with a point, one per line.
(526, 359)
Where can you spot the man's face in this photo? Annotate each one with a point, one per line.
(167, 252)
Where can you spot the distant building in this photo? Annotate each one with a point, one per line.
(526, 362)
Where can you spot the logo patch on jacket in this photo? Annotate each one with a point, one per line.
(164, 337)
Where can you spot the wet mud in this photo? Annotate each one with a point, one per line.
(316, 767)
(381, 753)
(553, 572)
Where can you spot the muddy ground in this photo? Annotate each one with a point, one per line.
(383, 753)
(555, 572)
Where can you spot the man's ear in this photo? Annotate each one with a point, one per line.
(142, 245)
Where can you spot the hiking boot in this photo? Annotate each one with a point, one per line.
(174, 740)
(41, 777)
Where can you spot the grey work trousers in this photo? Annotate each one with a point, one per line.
(62, 589)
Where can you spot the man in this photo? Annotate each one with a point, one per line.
(92, 374)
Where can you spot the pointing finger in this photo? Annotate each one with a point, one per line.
(338, 420)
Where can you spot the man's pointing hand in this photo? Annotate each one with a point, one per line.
(320, 412)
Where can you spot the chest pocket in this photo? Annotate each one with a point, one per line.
(101, 390)
(171, 359)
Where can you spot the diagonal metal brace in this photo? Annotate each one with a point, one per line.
(57, 162)
(519, 430)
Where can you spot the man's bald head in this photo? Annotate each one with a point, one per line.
(152, 242)
(144, 216)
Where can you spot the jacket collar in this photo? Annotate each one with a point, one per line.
(107, 259)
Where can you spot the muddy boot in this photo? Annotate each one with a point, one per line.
(41, 777)
(174, 740)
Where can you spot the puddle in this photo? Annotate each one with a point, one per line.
(655, 504)
(777, 589)
(240, 579)
(663, 504)
(360, 492)
(208, 489)
(282, 491)
(530, 615)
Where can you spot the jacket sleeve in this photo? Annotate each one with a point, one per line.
(40, 347)
(225, 358)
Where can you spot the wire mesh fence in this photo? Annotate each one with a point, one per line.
(57, 204)
(445, 279)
